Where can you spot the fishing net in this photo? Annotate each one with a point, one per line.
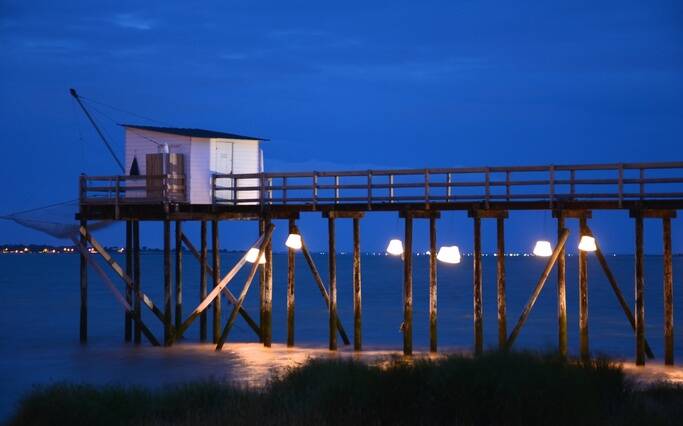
(57, 220)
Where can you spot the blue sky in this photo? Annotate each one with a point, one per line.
(346, 85)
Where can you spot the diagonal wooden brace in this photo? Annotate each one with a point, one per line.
(96, 266)
(215, 292)
(129, 282)
(321, 285)
(617, 291)
(539, 286)
(233, 315)
(228, 294)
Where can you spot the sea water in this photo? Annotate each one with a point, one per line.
(39, 317)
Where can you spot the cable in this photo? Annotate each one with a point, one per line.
(125, 111)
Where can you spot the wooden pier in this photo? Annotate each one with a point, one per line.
(570, 192)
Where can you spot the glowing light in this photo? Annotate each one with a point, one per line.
(252, 254)
(395, 247)
(294, 241)
(543, 249)
(449, 254)
(587, 243)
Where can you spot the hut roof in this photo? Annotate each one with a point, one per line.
(196, 133)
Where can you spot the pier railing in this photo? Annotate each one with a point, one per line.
(142, 189)
(554, 183)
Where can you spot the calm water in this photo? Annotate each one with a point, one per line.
(39, 304)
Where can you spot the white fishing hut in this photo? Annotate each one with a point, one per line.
(196, 154)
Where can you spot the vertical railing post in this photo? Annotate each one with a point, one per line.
(507, 184)
(116, 198)
(552, 186)
(391, 188)
(426, 183)
(284, 189)
(235, 190)
(315, 189)
(642, 183)
(336, 190)
(213, 189)
(369, 189)
(572, 184)
(488, 187)
(449, 189)
(621, 184)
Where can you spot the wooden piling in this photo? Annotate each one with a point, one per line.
(178, 273)
(408, 287)
(128, 320)
(500, 273)
(432, 285)
(477, 290)
(583, 297)
(215, 252)
(357, 302)
(167, 281)
(321, 286)
(83, 332)
(137, 312)
(668, 294)
(561, 291)
(617, 291)
(291, 258)
(537, 289)
(639, 290)
(332, 257)
(203, 290)
(267, 326)
(261, 281)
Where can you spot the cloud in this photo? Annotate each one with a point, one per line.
(133, 21)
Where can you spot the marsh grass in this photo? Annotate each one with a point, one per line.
(496, 388)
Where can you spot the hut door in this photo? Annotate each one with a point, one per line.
(223, 157)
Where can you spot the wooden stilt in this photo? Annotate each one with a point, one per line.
(226, 292)
(128, 280)
(357, 302)
(267, 239)
(332, 258)
(617, 291)
(221, 288)
(539, 286)
(408, 287)
(639, 293)
(668, 295)
(561, 291)
(267, 328)
(84, 287)
(500, 272)
(262, 283)
(215, 252)
(128, 321)
(167, 282)
(477, 291)
(432, 285)
(321, 285)
(203, 291)
(583, 297)
(137, 312)
(178, 273)
(291, 258)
